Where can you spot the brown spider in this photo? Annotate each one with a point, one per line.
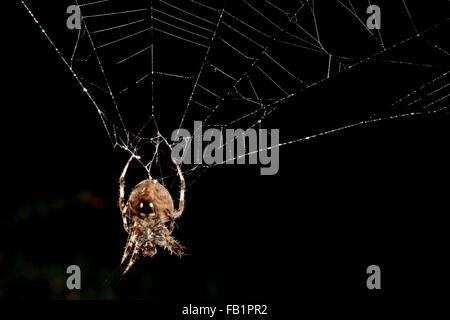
(149, 217)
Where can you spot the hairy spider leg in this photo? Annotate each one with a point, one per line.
(134, 256)
(124, 217)
(173, 246)
(128, 247)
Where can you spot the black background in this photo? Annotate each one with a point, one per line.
(375, 194)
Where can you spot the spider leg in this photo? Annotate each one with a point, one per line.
(172, 222)
(174, 246)
(122, 183)
(178, 213)
(129, 246)
(134, 256)
(124, 217)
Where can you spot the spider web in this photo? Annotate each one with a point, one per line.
(153, 66)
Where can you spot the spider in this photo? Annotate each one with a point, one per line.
(149, 217)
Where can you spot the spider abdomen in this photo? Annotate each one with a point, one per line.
(150, 198)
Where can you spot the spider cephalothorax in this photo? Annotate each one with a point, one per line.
(149, 217)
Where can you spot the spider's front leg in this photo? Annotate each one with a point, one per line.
(174, 246)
